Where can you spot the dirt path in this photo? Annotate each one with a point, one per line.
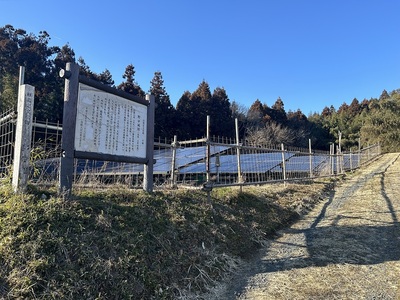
(348, 247)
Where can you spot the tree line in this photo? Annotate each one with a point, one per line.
(368, 121)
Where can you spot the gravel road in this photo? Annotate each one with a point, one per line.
(347, 247)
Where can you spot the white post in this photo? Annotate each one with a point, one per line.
(23, 137)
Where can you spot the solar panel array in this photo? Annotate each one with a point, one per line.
(195, 163)
(256, 165)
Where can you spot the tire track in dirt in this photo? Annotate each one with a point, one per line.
(345, 248)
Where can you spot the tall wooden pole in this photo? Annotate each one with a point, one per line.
(71, 75)
(149, 166)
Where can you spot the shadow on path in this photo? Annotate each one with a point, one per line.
(320, 245)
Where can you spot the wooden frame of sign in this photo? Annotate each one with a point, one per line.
(103, 123)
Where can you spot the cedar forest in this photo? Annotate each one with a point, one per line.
(368, 121)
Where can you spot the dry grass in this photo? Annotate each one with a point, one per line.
(346, 248)
(125, 244)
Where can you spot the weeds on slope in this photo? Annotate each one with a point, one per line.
(125, 244)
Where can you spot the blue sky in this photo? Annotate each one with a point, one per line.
(311, 53)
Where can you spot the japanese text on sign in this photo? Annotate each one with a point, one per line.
(110, 124)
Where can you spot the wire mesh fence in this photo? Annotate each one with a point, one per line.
(7, 137)
(195, 163)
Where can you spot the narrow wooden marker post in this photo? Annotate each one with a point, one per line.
(23, 137)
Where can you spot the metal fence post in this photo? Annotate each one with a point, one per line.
(283, 163)
(239, 168)
(351, 160)
(173, 163)
(331, 159)
(310, 151)
(208, 150)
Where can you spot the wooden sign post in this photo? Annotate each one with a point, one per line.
(23, 137)
(106, 124)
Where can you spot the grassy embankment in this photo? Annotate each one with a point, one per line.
(126, 244)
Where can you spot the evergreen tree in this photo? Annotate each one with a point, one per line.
(84, 69)
(255, 115)
(384, 95)
(326, 112)
(382, 124)
(278, 113)
(17, 48)
(9, 45)
(202, 93)
(319, 131)
(185, 116)
(192, 111)
(130, 86)
(364, 105)
(354, 108)
(9, 92)
(239, 112)
(222, 123)
(105, 77)
(165, 124)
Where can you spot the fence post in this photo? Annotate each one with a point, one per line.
(351, 160)
(239, 168)
(173, 163)
(283, 163)
(331, 159)
(338, 164)
(23, 137)
(148, 168)
(71, 75)
(208, 151)
(310, 151)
